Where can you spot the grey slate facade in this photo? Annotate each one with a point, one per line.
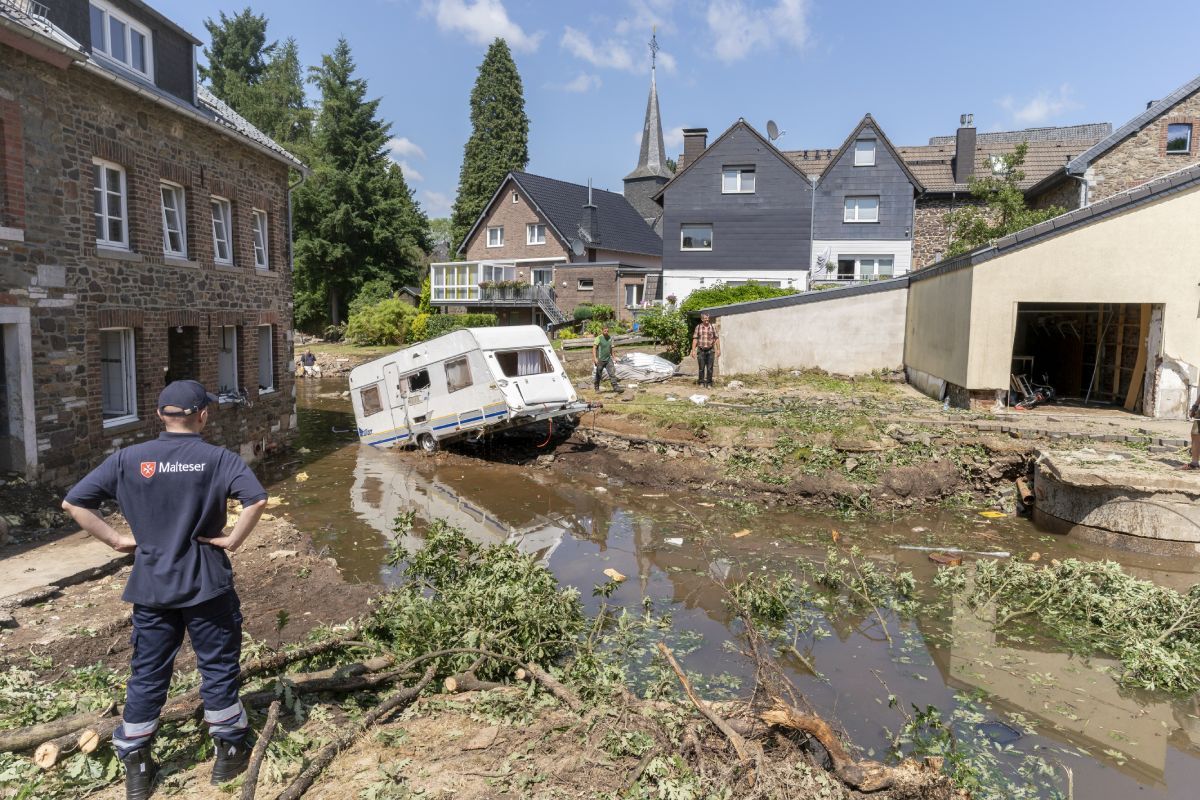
(767, 230)
(887, 179)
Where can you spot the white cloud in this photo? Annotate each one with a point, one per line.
(668, 61)
(583, 82)
(645, 16)
(403, 147)
(437, 204)
(738, 30)
(410, 173)
(481, 21)
(610, 54)
(1042, 107)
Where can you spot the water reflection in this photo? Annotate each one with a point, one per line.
(1117, 743)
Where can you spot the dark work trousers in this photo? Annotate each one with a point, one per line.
(215, 628)
(704, 359)
(601, 368)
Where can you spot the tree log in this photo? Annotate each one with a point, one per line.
(250, 783)
(396, 702)
(735, 738)
(467, 682)
(32, 736)
(866, 776)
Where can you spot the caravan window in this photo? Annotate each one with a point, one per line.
(458, 374)
(370, 400)
(418, 381)
(516, 363)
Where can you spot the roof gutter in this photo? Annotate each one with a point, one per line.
(29, 33)
(188, 111)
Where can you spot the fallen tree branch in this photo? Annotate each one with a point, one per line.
(396, 702)
(468, 682)
(543, 678)
(735, 738)
(32, 736)
(866, 776)
(250, 784)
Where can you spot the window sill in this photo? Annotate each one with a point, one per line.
(695, 249)
(122, 424)
(262, 392)
(12, 234)
(221, 265)
(861, 221)
(179, 261)
(724, 191)
(117, 254)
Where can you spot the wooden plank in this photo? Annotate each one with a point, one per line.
(1116, 381)
(1139, 366)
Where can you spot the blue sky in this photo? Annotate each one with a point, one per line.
(814, 66)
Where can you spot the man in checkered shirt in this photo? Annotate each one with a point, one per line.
(706, 346)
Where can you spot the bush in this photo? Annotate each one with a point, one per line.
(583, 312)
(602, 312)
(424, 305)
(418, 329)
(592, 327)
(334, 333)
(385, 322)
(439, 324)
(722, 295)
(668, 327)
(369, 294)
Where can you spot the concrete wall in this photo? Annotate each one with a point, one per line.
(938, 328)
(842, 331)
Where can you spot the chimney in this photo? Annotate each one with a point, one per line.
(694, 142)
(964, 149)
(1150, 103)
(589, 223)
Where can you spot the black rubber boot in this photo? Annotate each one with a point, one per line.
(140, 771)
(231, 760)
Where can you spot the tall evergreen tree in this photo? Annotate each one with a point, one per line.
(237, 56)
(499, 139)
(276, 105)
(355, 218)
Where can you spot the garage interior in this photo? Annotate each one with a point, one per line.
(1091, 354)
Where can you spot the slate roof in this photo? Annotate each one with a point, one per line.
(207, 106)
(621, 227)
(1081, 162)
(933, 164)
(866, 121)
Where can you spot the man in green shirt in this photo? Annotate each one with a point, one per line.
(602, 359)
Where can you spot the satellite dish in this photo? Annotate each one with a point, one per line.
(577, 248)
(772, 130)
(823, 258)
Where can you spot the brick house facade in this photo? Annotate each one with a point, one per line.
(96, 329)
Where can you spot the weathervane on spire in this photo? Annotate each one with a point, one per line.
(653, 46)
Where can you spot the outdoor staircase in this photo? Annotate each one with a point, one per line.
(548, 307)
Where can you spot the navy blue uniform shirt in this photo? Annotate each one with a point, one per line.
(172, 490)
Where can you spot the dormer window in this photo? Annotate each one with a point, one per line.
(118, 38)
(864, 153)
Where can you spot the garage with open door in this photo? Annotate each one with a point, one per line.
(1094, 354)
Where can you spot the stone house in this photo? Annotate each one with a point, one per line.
(541, 247)
(144, 237)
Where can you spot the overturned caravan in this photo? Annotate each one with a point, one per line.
(466, 383)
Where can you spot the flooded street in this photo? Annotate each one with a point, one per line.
(1114, 743)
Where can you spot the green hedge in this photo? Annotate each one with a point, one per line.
(435, 325)
(384, 322)
(722, 295)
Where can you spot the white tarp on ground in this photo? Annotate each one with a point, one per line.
(643, 368)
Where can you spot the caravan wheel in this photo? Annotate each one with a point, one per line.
(427, 442)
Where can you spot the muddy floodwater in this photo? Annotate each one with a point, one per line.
(1104, 741)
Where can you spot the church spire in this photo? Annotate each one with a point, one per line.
(652, 158)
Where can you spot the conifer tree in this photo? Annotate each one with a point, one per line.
(355, 218)
(499, 139)
(237, 56)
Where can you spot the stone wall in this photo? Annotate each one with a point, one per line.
(1064, 194)
(513, 217)
(73, 288)
(931, 234)
(1143, 156)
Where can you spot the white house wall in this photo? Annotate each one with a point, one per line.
(900, 251)
(682, 283)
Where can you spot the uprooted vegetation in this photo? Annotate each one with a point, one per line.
(509, 650)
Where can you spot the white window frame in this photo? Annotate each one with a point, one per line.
(639, 293)
(129, 377)
(457, 281)
(590, 287)
(225, 206)
(222, 390)
(101, 168)
(1191, 132)
(178, 197)
(711, 237)
(738, 176)
(104, 48)
(259, 231)
(499, 231)
(852, 210)
(532, 231)
(266, 333)
(515, 197)
(861, 155)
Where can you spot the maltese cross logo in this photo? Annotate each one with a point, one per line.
(148, 469)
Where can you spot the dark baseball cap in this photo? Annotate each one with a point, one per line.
(187, 395)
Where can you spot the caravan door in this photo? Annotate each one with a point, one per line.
(415, 386)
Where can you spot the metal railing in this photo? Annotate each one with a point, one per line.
(31, 9)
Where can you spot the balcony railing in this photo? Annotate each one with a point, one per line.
(29, 9)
